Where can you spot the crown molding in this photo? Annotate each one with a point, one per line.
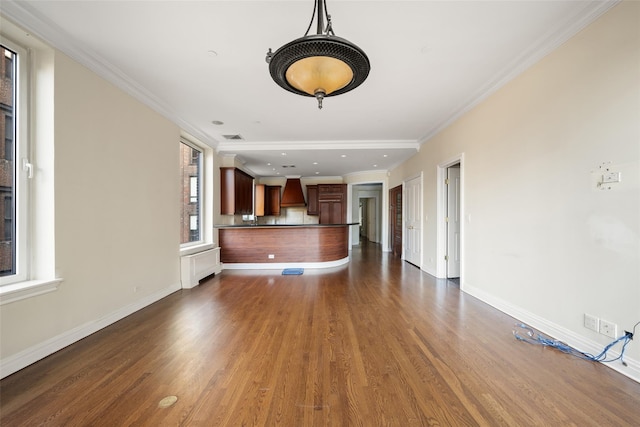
(546, 44)
(317, 145)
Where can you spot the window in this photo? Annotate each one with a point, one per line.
(13, 182)
(8, 218)
(195, 156)
(8, 64)
(191, 161)
(194, 228)
(193, 189)
(26, 87)
(8, 137)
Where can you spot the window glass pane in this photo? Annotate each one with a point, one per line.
(193, 189)
(7, 166)
(191, 173)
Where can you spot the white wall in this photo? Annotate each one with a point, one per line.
(116, 193)
(540, 240)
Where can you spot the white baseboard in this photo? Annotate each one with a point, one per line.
(282, 265)
(18, 361)
(579, 342)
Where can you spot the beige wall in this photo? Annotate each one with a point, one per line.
(115, 194)
(540, 240)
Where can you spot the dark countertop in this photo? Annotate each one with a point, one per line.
(281, 225)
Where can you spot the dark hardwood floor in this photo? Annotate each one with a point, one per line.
(373, 343)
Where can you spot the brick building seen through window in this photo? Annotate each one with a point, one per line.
(7, 130)
(191, 167)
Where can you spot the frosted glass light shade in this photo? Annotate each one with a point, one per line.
(308, 65)
(319, 74)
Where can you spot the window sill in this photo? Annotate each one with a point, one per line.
(194, 249)
(30, 288)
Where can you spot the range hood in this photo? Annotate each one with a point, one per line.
(292, 195)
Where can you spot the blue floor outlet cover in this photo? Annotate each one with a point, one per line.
(292, 271)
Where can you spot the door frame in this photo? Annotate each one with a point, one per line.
(405, 199)
(441, 214)
(381, 202)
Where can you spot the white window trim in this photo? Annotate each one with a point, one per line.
(35, 123)
(204, 196)
(21, 156)
(27, 289)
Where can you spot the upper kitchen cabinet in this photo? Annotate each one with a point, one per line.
(236, 192)
(332, 203)
(267, 200)
(272, 200)
(312, 198)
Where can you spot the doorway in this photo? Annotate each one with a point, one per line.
(413, 221)
(450, 224)
(369, 219)
(452, 257)
(395, 220)
(367, 201)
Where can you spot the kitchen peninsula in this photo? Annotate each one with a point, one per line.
(284, 245)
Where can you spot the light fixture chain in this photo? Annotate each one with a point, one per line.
(329, 28)
(311, 22)
(321, 4)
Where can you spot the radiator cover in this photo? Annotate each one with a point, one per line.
(195, 267)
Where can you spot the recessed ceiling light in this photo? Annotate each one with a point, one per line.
(268, 164)
(217, 122)
(317, 173)
(284, 154)
(385, 156)
(315, 163)
(375, 166)
(344, 155)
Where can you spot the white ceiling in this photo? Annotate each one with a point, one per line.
(200, 61)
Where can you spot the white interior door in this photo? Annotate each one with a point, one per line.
(412, 224)
(453, 222)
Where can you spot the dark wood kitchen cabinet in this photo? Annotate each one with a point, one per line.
(312, 200)
(332, 203)
(272, 200)
(236, 192)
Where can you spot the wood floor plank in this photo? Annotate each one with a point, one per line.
(376, 342)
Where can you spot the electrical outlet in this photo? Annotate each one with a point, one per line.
(591, 322)
(609, 329)
(271, 256)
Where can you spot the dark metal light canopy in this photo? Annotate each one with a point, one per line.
(319, 65)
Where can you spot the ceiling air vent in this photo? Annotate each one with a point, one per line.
(232, 137)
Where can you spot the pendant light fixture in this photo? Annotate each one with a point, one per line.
(319, 65)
